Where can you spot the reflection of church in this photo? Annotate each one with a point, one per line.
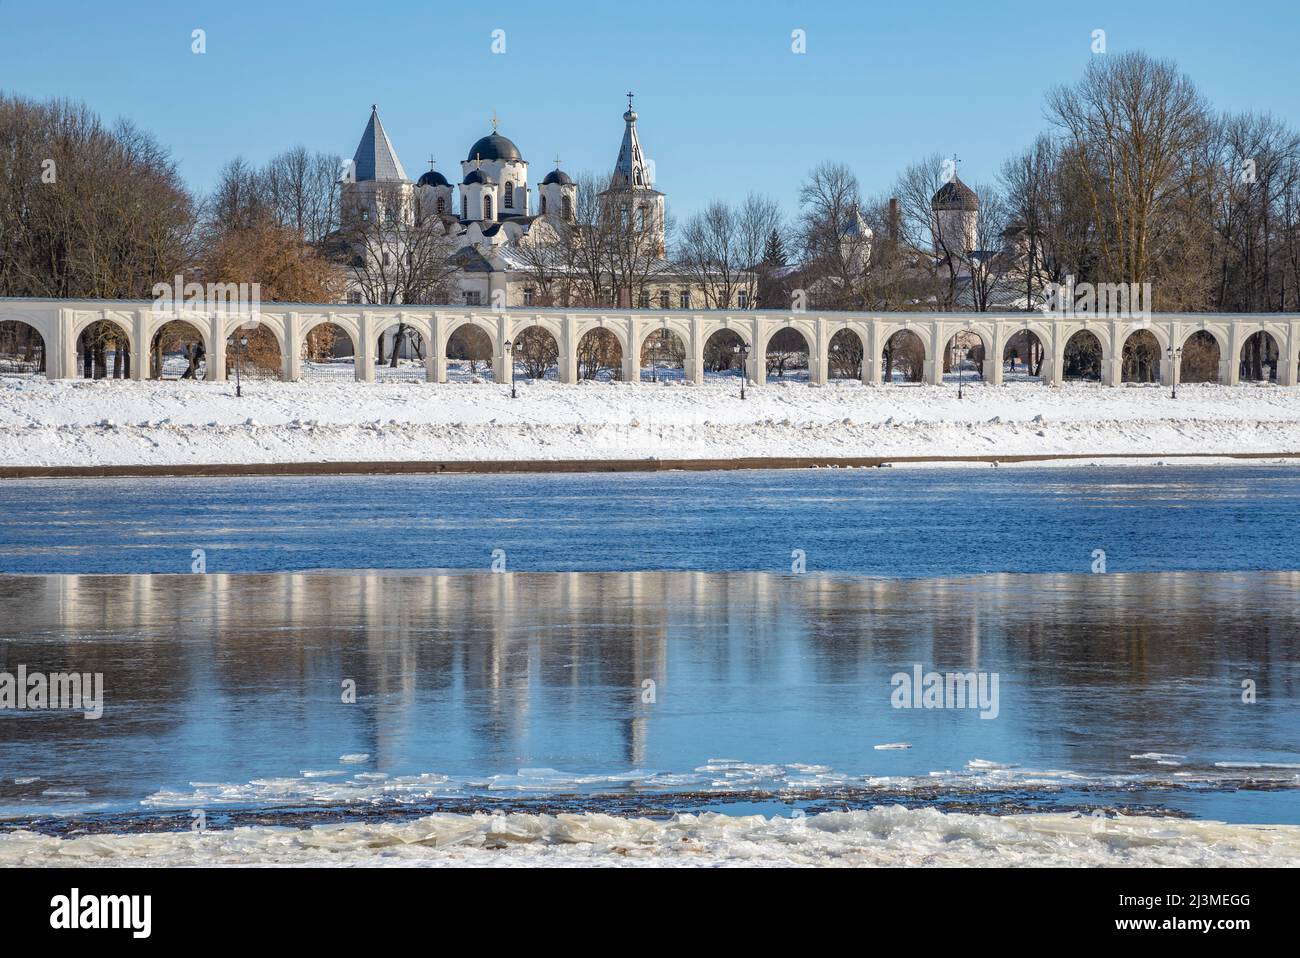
(496, 219)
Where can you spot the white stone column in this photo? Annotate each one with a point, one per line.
(139, 344)
(291, 361)
(216, 357)
(694, 371)
(1287, 354)
(503, 362)
(568, 343)
(365, 351)
(1230, 365)
(756, 366)
(632, 355)
(435, 352)
(934, 350)
(873, 373)
(61, 355)
(819, 355)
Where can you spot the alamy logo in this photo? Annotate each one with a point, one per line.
(57, 691)
(945, 690)
(1110, 300)
(72, 911)
(215, 299)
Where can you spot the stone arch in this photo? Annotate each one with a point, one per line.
(104, 349)
(1083, 356)
(664, 350)
(581, 329)
(903, 353)
(401, 350)
(1260, 356)
(22, 349)
(787, 354)
(599, 350)
(469, 346)
(719, 351)
(262, 357)
(1202, 357)
(180, 344)
(1023, 354)
(770, 330)
(1140, 357)
(328, 350)
(1216, 334)
(978, 346)
(846, 352)
(537, 348)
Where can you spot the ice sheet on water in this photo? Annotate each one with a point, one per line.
(716, 775)
(886, 836)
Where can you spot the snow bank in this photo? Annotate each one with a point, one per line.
(78, 422)
(882, 836)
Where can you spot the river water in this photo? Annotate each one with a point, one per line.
(652, 647)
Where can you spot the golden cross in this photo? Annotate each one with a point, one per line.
(557, 161)
(494, 120)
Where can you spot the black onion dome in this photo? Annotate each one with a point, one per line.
(432, 178)
(557, 176)
(955, 195)
(494, 146)
(477, 176)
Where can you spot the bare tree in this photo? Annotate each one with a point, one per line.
(394, 255)
(1136, 125)
(836, 249)
(722, 249)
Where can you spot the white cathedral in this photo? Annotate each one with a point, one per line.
(493, 214)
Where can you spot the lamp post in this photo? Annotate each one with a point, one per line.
(743, 352)
(510, 363)
(1175, 354)
(961, 367)
(239, 360)
(654, 359)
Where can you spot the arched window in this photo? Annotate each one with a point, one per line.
(509, 202)
(568, 208)
(487, 207)
(543, 204)
(464, 207)
(638, 176)
(442, 204)
(640, 217)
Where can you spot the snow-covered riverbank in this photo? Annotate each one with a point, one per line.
(84, 423)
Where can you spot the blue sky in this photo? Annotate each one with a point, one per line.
(726, 108)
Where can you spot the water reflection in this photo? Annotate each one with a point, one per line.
(239, 678)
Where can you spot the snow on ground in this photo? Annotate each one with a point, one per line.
(884, 836)
(107, 422)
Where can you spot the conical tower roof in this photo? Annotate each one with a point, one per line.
(630, 171)
(375, 158)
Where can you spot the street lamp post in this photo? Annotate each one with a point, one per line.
(654, 359)
(510, 363)
(239, 360)
(743, 352)
(961, 367)
(1175, 354)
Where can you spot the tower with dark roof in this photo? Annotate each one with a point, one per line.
(631, 192)
(494, 184)
(954, 218)
(558, 194)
